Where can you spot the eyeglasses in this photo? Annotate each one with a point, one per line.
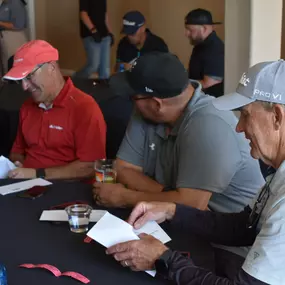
(259, 205)
(29, 76)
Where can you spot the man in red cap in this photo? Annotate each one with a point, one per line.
(61, 129)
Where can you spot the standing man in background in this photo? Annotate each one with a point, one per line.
(13, 22)
(207, 60)
(97, 38)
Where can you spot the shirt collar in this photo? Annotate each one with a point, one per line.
(208, 40)
(163, 131)
(62, 97)
(147, 39)
(192, 101)
(277, 183)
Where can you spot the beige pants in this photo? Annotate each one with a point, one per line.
(10, 42)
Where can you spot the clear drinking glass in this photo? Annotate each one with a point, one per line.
(78, 217)
(105, 171)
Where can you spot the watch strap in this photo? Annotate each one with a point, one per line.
(162, 263)
(41, 173)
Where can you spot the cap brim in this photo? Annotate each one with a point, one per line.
(201, 23)
(231, 102)
(18, 72)
(120, 86)
(129, 30)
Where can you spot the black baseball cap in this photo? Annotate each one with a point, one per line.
(132, 21)
(200, 17)
(154, 74)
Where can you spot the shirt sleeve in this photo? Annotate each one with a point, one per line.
(84, 5)
(18, 14)
(266, 258)
(90, 133)
(20, 145)
(184, 272)
(221, 228)
(209, 155)
(214, 65)
(121, 52)
(132, 147)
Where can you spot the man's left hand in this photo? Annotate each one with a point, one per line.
(139, 255)
(22, 173)
(109, 195)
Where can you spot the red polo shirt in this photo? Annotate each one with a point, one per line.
(73, 129)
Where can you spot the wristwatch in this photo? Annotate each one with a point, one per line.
(162, 263)
(41, 173)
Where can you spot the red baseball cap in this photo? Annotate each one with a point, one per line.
(30, 55)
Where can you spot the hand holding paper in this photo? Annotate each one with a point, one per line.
(111, 231)
(139, 255)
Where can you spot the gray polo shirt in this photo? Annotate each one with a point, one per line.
(202, 151)
(14, 11)
(266, 258)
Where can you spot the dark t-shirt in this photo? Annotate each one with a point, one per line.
(208, 59)
(96, 10)
(126, 51)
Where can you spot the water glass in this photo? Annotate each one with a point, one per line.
(78, 217)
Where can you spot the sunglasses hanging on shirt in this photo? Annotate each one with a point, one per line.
(259, 205)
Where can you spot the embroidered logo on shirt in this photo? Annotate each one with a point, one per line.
(18, 60)
(244, 80)
(255, 255)
(152, 146)
(59, 128)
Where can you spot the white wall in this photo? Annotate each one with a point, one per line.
(266, 30)
(253, 33)
(31, 19)
(237, 37)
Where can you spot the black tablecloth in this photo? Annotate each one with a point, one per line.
(24, 239)
(116, 111)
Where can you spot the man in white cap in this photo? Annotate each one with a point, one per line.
(260, 97)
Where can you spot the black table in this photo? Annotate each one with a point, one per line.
(24, 239)
(116, 111)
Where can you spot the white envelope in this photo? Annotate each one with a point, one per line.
(21, 186)
(61, 216)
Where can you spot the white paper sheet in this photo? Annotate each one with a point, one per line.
(152, 228)
(111, 230)
(5, 166)
(21, 186)
(61, 216)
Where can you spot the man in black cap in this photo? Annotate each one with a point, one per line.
(178, 147)
(138, 40)
(207, 59)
